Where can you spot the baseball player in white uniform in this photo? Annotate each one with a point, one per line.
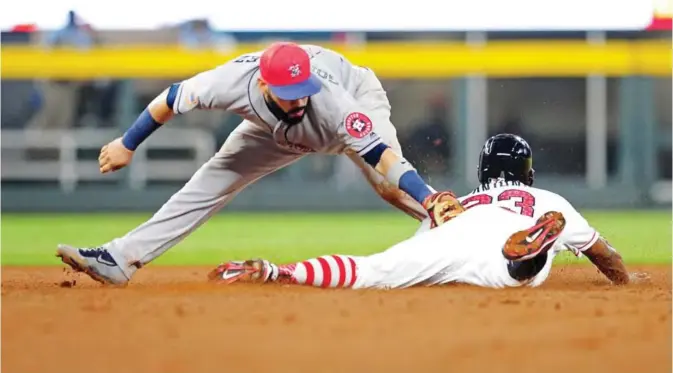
(294, 100)
(505, 233)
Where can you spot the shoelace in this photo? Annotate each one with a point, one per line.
(95, 250)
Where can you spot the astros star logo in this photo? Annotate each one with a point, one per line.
(295, 71)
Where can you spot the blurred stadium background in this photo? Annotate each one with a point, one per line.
(594, 103)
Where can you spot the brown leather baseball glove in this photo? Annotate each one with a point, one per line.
(442, 207)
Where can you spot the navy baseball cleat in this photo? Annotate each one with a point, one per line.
(95, 262)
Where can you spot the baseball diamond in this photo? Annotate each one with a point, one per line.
(171, 320)
(344, 201)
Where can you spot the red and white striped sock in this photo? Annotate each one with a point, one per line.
(330, 271)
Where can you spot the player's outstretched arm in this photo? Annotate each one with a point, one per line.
(398, 171)
(356, 132)
(441, 206)
(215, 88)
(608, 261)
(119, 153)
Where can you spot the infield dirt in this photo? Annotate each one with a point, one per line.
(170, 320)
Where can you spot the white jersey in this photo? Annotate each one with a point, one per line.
(468, 250)
(577, 236)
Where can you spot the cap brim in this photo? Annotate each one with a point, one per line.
(309, 87)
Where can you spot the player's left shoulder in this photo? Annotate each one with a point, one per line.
(329, 101)
(329, 108)
(553, 201)
(544, 193)
(333, 99)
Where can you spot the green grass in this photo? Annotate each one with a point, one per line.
(30, 239)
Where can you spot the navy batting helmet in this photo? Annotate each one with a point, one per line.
(507, 156)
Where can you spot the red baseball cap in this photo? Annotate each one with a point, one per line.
(286, 68)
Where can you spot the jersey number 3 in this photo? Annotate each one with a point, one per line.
(525, 201)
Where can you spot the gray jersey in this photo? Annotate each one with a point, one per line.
(334, 121)
(350, 114)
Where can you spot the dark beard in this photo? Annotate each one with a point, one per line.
(283, 116)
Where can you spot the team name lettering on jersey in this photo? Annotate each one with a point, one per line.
(496, 184)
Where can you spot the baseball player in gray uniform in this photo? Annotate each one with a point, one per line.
(294, 100)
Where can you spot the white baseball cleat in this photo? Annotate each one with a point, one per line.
(95, 262)
(249, 271)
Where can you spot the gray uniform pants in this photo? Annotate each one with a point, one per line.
(248, 154)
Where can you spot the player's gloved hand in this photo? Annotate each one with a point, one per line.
(114, 156)
(442, 207)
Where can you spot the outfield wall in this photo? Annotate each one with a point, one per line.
(392, 60)
(598, 115)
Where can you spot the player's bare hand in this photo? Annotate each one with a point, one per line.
(114, 156)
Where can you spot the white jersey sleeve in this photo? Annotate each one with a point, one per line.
(224, 87)
(578, 235)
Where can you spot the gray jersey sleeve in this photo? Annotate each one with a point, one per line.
(224, 87)
(357, 133)
(354, 126)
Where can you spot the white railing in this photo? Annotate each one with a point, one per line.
(66, 167)
(662, 191)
